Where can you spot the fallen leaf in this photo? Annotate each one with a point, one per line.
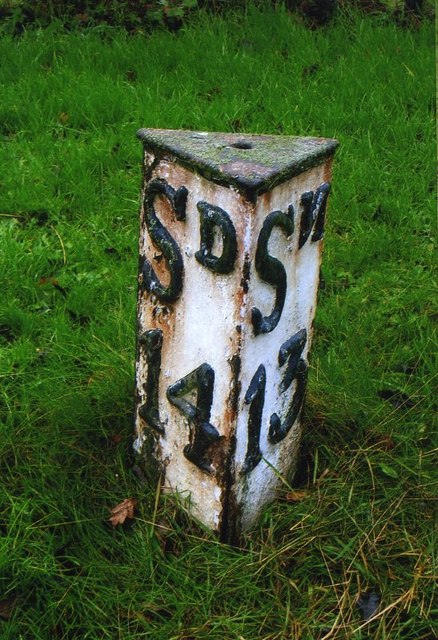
(368, 604)
(7, 606)
(296, 496)
(123, 511)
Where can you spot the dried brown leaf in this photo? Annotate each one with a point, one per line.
(296, 496)
(123, 511)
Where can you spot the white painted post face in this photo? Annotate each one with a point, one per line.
(230, 251)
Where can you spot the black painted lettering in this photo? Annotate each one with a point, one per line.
(255, 397)
(202, 433)
(320, 208)
(307, 219)
(295, 369)
(151, 342)
(214, 217)
(271, 270)
(313, 215)
(162, 239)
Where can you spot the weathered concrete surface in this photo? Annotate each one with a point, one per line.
(225, 313)
(251, 163)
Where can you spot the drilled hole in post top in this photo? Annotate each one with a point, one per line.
(241, 144)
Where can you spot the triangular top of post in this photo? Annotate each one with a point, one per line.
(252, 163)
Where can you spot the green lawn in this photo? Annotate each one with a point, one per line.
(70, 174)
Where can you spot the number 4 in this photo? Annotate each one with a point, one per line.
(203, 434)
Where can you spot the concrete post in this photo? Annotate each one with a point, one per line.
(230, 252)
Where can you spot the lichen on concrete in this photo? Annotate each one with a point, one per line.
(253, 164)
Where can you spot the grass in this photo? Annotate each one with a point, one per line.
(69, 192)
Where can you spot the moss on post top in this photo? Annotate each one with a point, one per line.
(252, 163)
